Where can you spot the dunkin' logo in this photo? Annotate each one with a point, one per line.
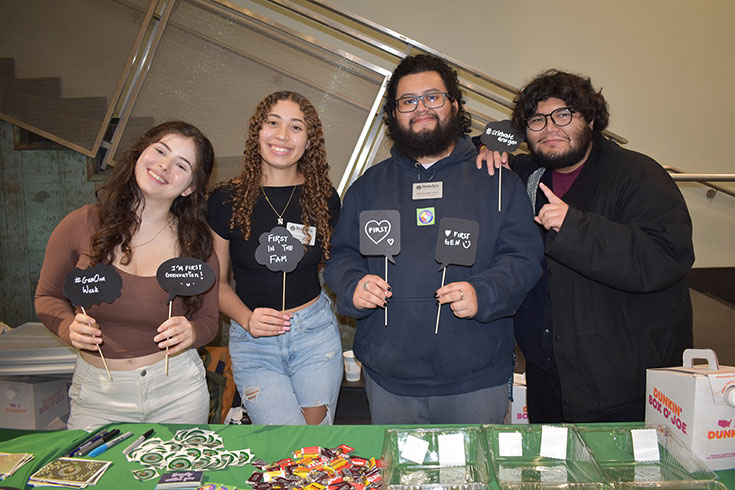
(726, 433)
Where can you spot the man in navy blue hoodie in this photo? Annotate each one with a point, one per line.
(412, 374)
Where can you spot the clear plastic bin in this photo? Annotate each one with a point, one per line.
(435, 458)
(676, 467)
(525, 467)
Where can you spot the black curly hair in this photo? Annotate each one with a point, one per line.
(418, 64)
(575, 90)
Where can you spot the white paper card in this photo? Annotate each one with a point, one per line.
(297, 231)
(554, 442)
(645, 445)
(510, 444)
(451, 450)
(414, 449)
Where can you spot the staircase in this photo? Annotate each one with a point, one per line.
(38, 102)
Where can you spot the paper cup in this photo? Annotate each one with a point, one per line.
(352, 366)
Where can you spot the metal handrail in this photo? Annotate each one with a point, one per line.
(704, 179)
(412, 43)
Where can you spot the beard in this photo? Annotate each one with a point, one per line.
(570, 157)
(427, 142)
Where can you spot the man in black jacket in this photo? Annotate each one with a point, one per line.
(613, 299)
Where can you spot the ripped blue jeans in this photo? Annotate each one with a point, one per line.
(277, 376)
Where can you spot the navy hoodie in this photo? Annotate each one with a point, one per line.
(407, 357)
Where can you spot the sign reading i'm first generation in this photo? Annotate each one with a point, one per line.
(185, 276)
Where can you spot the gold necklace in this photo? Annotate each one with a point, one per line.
(280, 215)
(154, 236)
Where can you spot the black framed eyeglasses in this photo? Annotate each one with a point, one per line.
(432, 100)
(560, 117)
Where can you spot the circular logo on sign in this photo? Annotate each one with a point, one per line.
(426, 216)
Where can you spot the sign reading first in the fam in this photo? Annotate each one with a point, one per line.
(279, 251)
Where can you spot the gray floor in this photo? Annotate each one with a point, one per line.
(714, 327)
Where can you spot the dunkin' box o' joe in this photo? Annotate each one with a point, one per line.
(697, 403)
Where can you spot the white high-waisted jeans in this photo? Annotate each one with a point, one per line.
(144, 394)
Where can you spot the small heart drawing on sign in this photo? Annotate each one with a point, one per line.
(376, 231)
(466, 244)
(188, 284)
(447, 232)
(390, 241)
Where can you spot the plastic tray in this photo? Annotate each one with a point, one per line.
(676, 467)
(435, 458)
(532, 470)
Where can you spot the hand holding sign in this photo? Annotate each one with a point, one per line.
(94, 285)
(182, 276)
(380, 234)
(456, 244)
(279, 251)
(500, 138)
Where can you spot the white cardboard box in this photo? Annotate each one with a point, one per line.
(32, 402)
(697, 403)
(518, 412)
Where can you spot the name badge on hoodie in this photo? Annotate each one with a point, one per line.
(427, 190)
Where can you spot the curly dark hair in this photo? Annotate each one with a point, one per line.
(418, 64)
(120, 197)
(312, 165)
(575, 90)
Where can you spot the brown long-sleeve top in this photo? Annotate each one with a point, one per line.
(129, 323)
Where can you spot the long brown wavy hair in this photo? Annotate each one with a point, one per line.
(120, 197)
(312, 165)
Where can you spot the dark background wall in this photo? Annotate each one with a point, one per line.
(39, 187)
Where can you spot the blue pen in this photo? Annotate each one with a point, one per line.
(110, 435)
(104, 447)
(87, 443)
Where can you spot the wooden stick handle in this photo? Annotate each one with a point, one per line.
(104, 363)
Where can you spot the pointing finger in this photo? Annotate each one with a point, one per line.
(553, 198)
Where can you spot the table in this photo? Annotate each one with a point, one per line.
(270, 443)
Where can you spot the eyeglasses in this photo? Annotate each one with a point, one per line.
(433, 100)
(560, 117)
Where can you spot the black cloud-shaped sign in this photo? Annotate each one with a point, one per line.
(456, 242)
(279, 250)
(185, 276)
(501, 136)
(94, 285)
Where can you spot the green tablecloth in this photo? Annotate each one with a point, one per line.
(269, 443)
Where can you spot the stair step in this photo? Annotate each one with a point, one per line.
(45, 87)
(76, 120)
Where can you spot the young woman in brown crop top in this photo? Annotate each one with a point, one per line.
(150, 209)
(287, 364)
